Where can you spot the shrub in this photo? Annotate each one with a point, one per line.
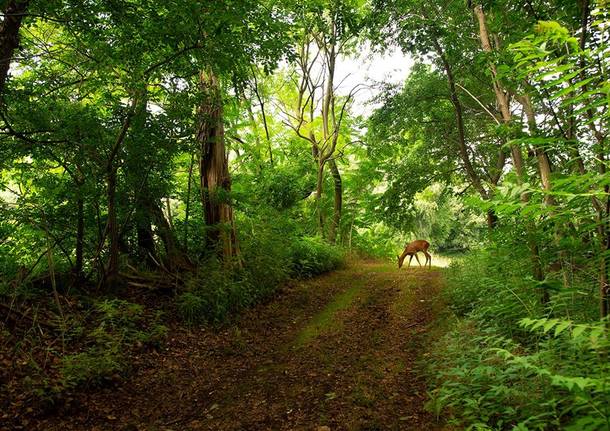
(486, 381)
(92, 367)
(192, 308)
(478, 390)
(506, 363)
(312, 256)
(120, 324)
(217, 291)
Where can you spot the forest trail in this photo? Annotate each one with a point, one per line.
(336, 351)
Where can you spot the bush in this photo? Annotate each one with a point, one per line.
(218, 291)
(120, 324)
(92, 367)
(505, 364)
(486, 381)
(312, 256)
(491, 289)
(211, 295)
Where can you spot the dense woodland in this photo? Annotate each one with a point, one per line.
(170, 163)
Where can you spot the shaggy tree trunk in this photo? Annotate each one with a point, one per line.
(214, 171)
(9, 36)
(338, 201)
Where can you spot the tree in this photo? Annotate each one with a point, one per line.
(214, 169)
(13, 14)
(329, 29)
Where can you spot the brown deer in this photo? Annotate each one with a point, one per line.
(412, 249)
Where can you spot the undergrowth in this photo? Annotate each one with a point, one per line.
(508, 363)
(211, 295)
(90, 343)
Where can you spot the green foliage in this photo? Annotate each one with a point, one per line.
(488, 381)
(119, 326)
(91, 368)
(101, 137)
(312, 256)
(377, 240)
(480, 390)
(270, 255)
(212, 295)
(496, 369)
(192, 308)
(494, 287)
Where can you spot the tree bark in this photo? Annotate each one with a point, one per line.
(9, 36)
(261, 103)
(175, 258)
(542, 157)
(318, 196)
(501, 96)
(80, 236)
(503, 100)
(188, 203)
(214, 171)
(338, 201)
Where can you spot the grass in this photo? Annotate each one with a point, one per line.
(405, 297)
(438, 261)
(326, 319)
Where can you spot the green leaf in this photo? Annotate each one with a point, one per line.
(578, 330)
(562, 327)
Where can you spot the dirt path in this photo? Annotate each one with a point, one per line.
(336, 351)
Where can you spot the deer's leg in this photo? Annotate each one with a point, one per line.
(417, 258)
(410, 259)
(428, 259)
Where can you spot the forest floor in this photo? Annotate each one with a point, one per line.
(336, 352)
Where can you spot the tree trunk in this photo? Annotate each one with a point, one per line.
(503, 101)
(112, 228)
(501, 95)
(459, 119)
(318, 196)
(214, 171)
(492, 219)
(175, 257)
(257, 139)
(261, 103)
(80, 236)
(544, 163)
(146, 241)
(9, 36)
(188, 204)
(112, 269)
(338, 203)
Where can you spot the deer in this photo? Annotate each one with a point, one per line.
(411, 249)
